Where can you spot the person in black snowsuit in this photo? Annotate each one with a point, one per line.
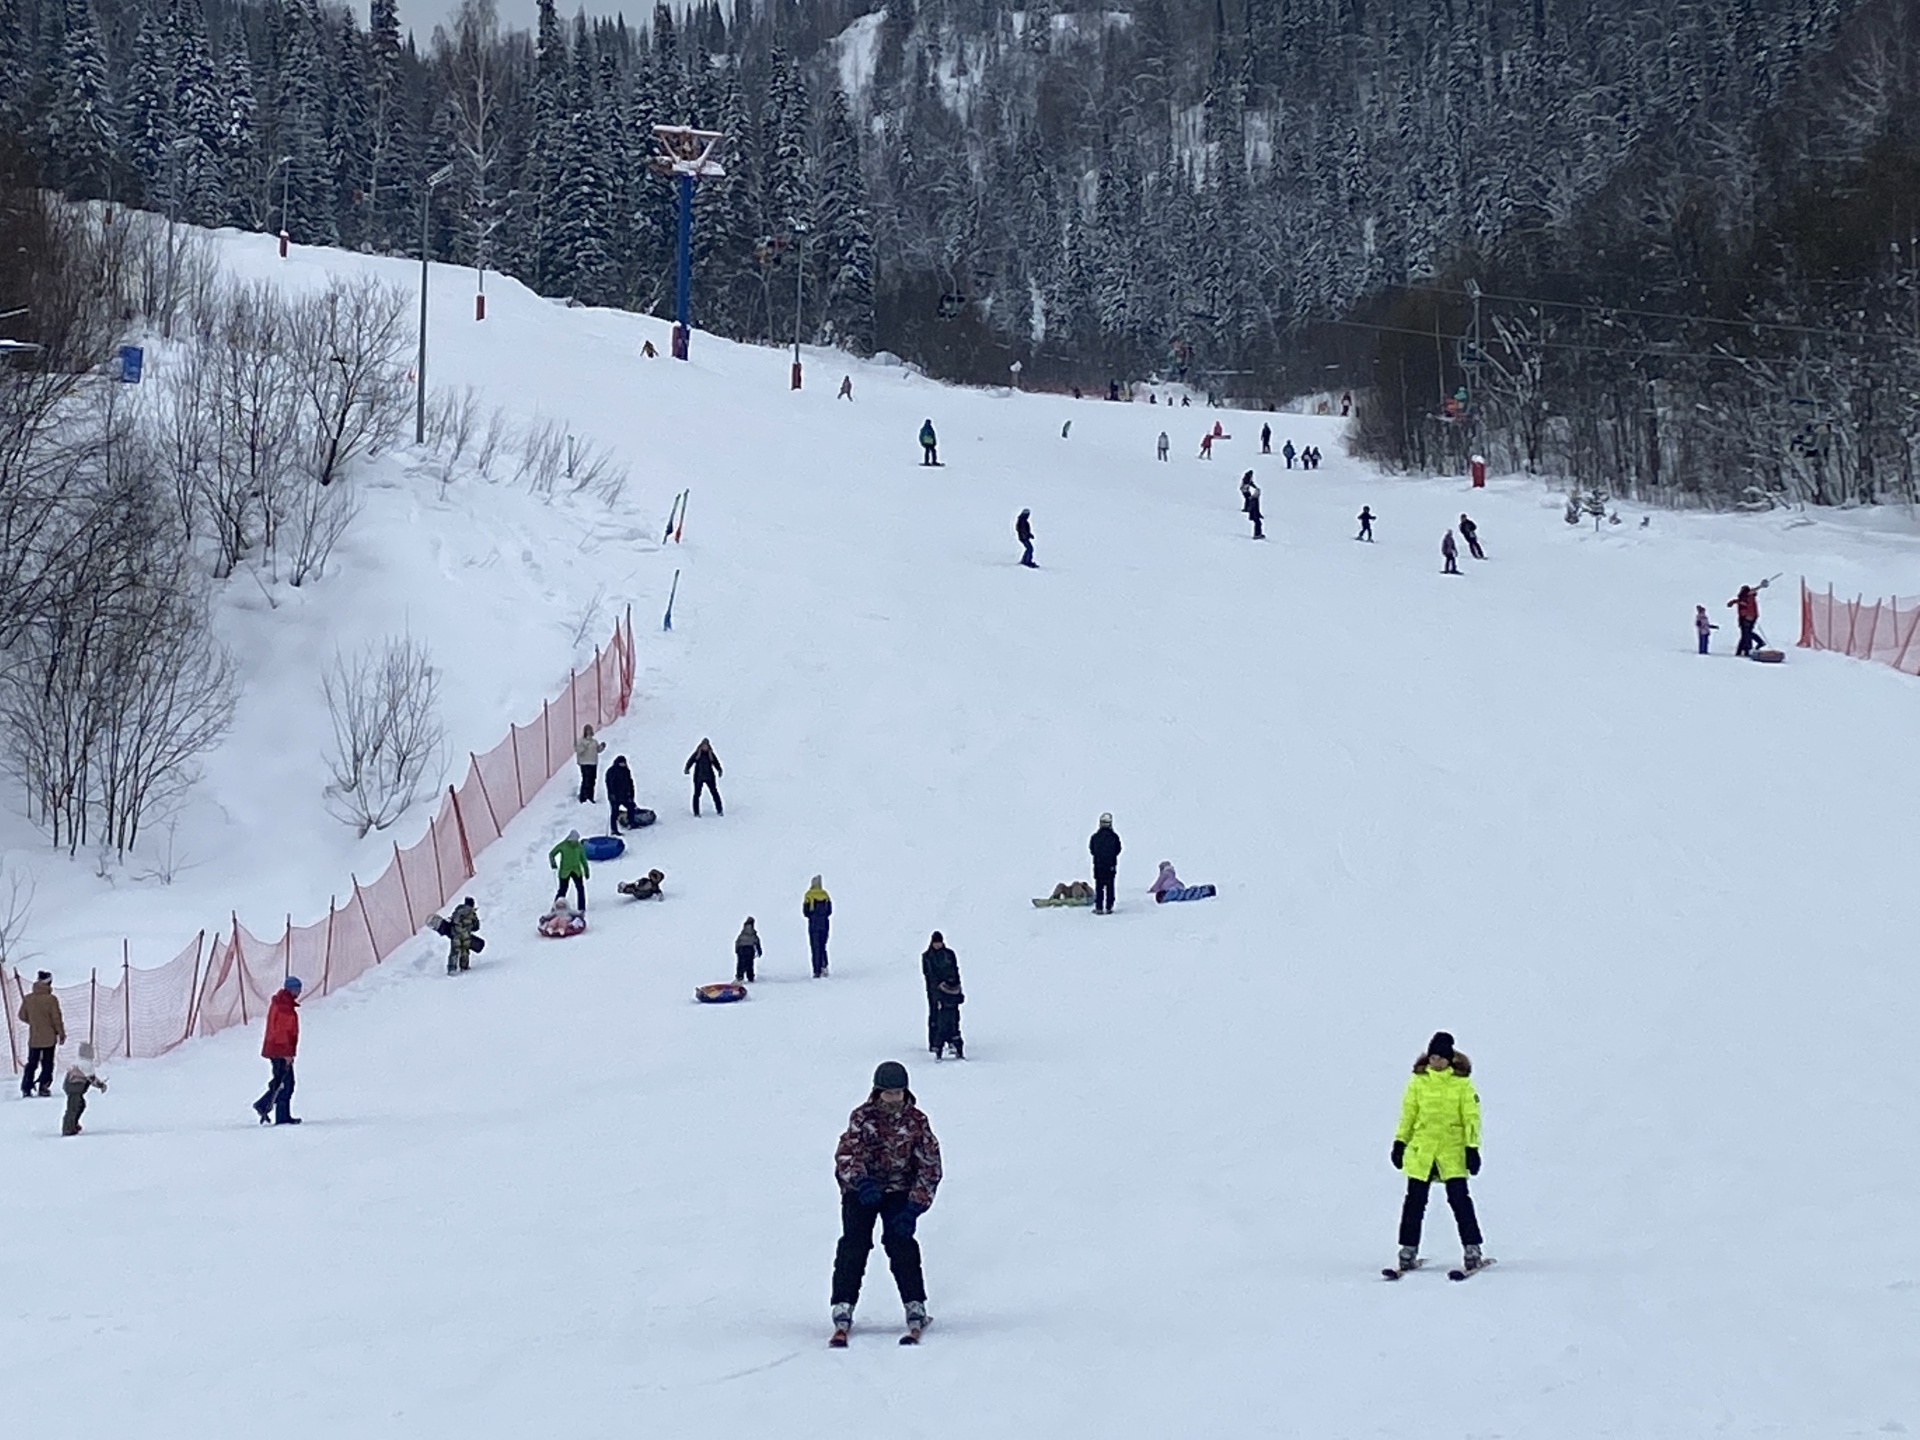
(940, 967)
(1023, 532)
(704, 765)
(1366, 524)
(1250, 503)
(619, 794)
(1266, 439)
(1105, 849)
(1287, 452)
(1470, 533)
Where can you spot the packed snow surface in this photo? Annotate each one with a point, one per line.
(1666, 904)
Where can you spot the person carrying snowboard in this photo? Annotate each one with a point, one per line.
(1023, 532)
(888, 1168)
(81, 1078)
(620, 795)
(704, 766)
(1105, 849)
(1449, 554)
(1250, 503)
(462, 925)
(1366, 525)
(746, 950)
(1702, 626)
(817, 906)
(1438, 1138)
(929, 444)
(46, 1032)
(282, 1043)
(940, 968)
(569, 859)
(1746, 609)
(586, 753)
(1470, 533)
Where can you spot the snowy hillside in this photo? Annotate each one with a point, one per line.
(1665, 903)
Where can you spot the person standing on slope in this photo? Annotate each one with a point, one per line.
(282, 1043)
(1449, 554)
(1366, 524)
(704, 765)
(1266, 439)
(620, 795)
(1160, 446)
(569, 859)
(46, 1032)
(888, 1168)
(1023, 532)
(462, 925)
(81, 1077)
(1746, 609)
(1438, 1138)
(1470, 533)
(846, 387)
(929, 444)
(1206, 446)
(586, 753)
(940, 968)
(1105, 849)
(817, 906)
(1250, 503)
(1287, 452)
(746, 950)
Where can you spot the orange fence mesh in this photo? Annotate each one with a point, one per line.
(147, 1012)
(1884, 630)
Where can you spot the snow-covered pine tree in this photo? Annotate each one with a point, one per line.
(239, 136)
(842, 232)
(82, 132)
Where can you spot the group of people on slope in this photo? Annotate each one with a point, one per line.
(1449, 551)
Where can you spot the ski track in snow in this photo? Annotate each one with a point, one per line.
(1666, 904)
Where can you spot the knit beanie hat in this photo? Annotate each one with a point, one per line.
(891, 1075)
(1441, 1044)
(292, 982)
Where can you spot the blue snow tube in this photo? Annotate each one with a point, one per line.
(722, 994)
(603, 847)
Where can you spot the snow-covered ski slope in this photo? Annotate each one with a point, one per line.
(1665, 903)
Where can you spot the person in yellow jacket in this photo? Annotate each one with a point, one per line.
(1438, 1138)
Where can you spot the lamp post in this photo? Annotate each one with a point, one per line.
(799, 228)
(285, 162)
(685, 155)
(434, 182)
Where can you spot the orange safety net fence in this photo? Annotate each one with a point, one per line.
(202, 990)
(1885, 630)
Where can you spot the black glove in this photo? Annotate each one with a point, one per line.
(1473, 1160)
(1399, 1152)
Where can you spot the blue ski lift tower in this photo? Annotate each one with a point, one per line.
(686, 155)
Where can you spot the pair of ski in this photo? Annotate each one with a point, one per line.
(840, 1333)
(1394, 1272)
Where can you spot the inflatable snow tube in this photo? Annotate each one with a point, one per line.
(561, 924)
(724, 994)
(603, 847)
(1769, 657)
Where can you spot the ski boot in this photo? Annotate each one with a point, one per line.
(916, 1322)
(1409, 1259)
(1471, 1259)
(842, 1323)
(959, 1049)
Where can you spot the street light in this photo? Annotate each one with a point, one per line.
(799, 228)
(434, 182)
(285, 162)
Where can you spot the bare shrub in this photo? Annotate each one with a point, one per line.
(315, 519)
(388, 742)
(542, 456)
(350, 343)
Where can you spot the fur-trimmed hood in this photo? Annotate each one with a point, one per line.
(1461, 1066)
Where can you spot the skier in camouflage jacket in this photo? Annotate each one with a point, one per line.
(888, 1166)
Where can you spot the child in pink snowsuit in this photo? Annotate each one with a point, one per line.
(1165, 881)
(1704, 626)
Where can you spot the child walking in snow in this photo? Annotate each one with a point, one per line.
(80, 1079)
(1703, 626)
(746, 950)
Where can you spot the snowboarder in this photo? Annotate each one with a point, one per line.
(1438, 1138)
(929, 444)
(888, 1166)
(620, 796)
(1023, 532)
(586, 753)
(462, 926)
(80, 1079)
(1104, 846)
(1250, 503)
(647, 887)
(1366, 524)
(1287, 452)
(569, 858)
(1703, 626)
(1746, 609)
(1160, 446)
(817, 906)
(1470, 533)
(704, 765)
(278, 1049)
(1266, 439)
(746, 950)
(940, 968)
(1206, 446)
(1449, 552)
(846, 388)
(46, 1031)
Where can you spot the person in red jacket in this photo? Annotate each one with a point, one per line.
(283, 1040)
(1746, 609)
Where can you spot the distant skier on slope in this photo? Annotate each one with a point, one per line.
(1470, 533)
(1023, 532)
(1104, 846)
(929, 444)
(704, 766)
(1449, 555)
(1438, 1138)
(1366, 524)
(1746, 609)
(940, 968)
(817, 906)
(888, 1168)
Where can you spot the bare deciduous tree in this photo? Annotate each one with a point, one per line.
(388, 742)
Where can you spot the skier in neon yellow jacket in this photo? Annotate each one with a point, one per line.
(1438, 1138)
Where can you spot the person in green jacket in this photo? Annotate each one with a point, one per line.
(1438, 1138)
(569, 857)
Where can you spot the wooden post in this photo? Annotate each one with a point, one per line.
(13, 1042)
(326, 963)
(93, 1003)
(413, 920)
(193, 995)
(599, 699)
(240, 958)
(492, 814)
(126, 995)
(365, 919)
(460, 823)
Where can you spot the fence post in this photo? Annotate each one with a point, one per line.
(460, 822)
(126, 994)
(519, 785)
(599, 697)
(93, 1004)
(193, 995)
(326, 963)
(240, 959)
(1900, 661)
(413, 920)
(365, 919)
(492, 814)
(13, 1043)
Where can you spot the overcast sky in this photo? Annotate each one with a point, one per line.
(420, 16)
